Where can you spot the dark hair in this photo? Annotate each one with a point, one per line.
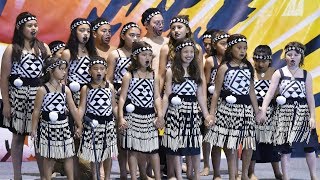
(214, 34)
(172, 41)
(146, 13)
(53, 44)
(135, 64)
(73, 42)
(18, 40)
(47, 62)
(121, 43)
(228, 54)
(263, 50)
(193, 69)
(298, 45)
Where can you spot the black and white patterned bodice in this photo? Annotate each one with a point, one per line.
(30, 66)
(188, 87)
(141, 92)
(261, 88)
(99, 101)
(292, 88)
(237, 80)
(121, 68)
(79, 70)
(214, 70)
(54, 101)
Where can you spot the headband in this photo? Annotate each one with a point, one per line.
(221, 36)
(180, 46)
(26, 19)
(235, 41)
(140, 50)
(55, 64)
(176, 19)
(98, 61)
(300, 50)
(262, 57)
(150, 16)
(96, 27)
(128, 26)
(205, 36)
(57, 48)
(78, 23)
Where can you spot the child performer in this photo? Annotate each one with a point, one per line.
(294, 115)
(234, 104)
(97, 102)
(21, 69)
(182, 98)
(54, 139)
(56, 48)
(139, 122)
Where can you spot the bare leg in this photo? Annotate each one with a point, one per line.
(284, 166)
(16, 154)
(102, 173)
(142, 164)
(133, 164)
(68, 168)
(155, 162)
(251, 174)
(216, 158)
(231, 159)
(312, 164)
(173, 163)
(123, 159)
(94, 170)
(48, 165)
(107, 164)
(196, 166)
(246, 159)
(170, 166)
(189, 171)
(40, 165)
(206, 155)
(276, 170)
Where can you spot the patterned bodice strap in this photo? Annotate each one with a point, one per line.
(121, 68)
(214, 70)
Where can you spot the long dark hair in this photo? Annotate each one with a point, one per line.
(135, 64)
(73, 42)
(47, 62)
(193, 69)
(18, 40)
(121, 43)
(213, 35)
(228, 53)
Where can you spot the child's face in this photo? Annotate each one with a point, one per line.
(187, 54)
(293, 58)
(178, 30)
(59, 72)
(83, 33)
(30, 29)
(103, 34)
(132, 35)
(156, 24)
(59, 52)
(207, 45)
(97, 71)
(261, 64)
(145, 58)
(239, 50)
(221, 46)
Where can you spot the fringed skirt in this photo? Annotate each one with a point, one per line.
(54, 139)
(292, 122)
(105, 139)
(141, 134)
(182, 131)
(235, 124)
(22, 105)
(265, 130)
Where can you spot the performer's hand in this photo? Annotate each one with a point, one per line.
(159, 122)
(261, 117)
(123, 124)
(210, 120)
(78, 132)
(312, 123)
(33, 134)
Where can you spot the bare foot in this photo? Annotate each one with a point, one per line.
(278, 176)
(217, 178)
(184, 168)
(253, 177)
(205, 171)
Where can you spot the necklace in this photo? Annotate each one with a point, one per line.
(292, 74)
(141, 76)
(239, 64)
(55, 88)
(83, 49)
(99, 85)
(262, 74)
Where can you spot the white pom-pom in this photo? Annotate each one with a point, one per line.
(53, 116)
(95, 123)
(176, 100)
(18, 82)
(130, 108)
(74, 86)
(211, 89)
(281, 100)
(231, 99)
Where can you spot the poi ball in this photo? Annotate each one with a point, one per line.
(95, 123)
(176, 100)
(53, 116)
(211, 89)
(130, 108)
(231, 99)
(281, 100)
(74, 86)
(18, 82)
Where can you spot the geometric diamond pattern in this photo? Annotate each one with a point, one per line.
(292, 88)
(99, 101)
(238, 81)
(54, 101)
(261, 88)
(79, 70)
(30, 66)
(213, 75)
(121, 68)
(188, 87)
(141, 91)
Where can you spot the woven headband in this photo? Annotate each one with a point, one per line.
(55, 64)
(206, 36)
(57, 48)
(300, 50)
(151, 15)
(96, 27)
(128, 26)
(78, 23)
(98, 61)
(262, 57)
(26, 19)
(140, 50)
(181, 46)
(235, 41)
(218, 38)
(176, 19)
